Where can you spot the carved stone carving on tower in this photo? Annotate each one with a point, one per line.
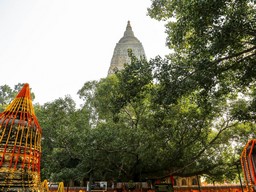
(120, 56)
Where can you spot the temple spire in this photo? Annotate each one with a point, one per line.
(120, 55)
(128, 32)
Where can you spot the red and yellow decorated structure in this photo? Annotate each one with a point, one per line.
(20, 145)
(248, 161)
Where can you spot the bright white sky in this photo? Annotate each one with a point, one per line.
(58, 45)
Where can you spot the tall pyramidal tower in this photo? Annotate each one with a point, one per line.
(120, 56)
(20, 145)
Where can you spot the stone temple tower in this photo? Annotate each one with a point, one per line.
(120, 56)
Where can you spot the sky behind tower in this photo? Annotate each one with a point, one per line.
(58, 45)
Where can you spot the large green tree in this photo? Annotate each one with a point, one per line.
(213, 60)
(121, 105)
(62, 126)
(214, 44)
(143, 136)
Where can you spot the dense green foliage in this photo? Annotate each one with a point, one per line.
(213, 62)
(214, 45)
(125, 132)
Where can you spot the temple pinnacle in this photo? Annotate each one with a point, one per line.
(120, 56)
